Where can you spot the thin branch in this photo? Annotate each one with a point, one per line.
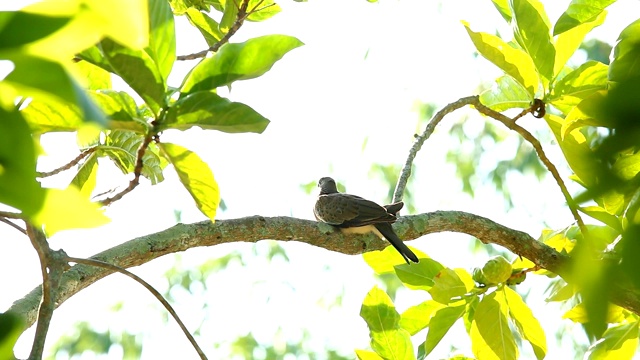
(52, 268)
(68, 166)
(417, 144)
(15, 226)
(537, 108)
(240, 18)
(10, 215)
(137, 171)
(511, 124)
(152, 290)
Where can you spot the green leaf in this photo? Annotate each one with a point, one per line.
(243, 61)
(367, 355)
(505, 94)
(532, 33)
(85, 179)
(121, 110)
(578, 314)
(576, 150)
(417, 317)
(491, 337)
(447, 284)
(18, 185)
(440, 324)
(568, 42)
(11, 327)
(138, 69)
(229, 15)
(95, 77)
(603, 215)
(503, 9)
(17, 29)
(49, 81)
(469, 314)
(68, 209)
(421, 275)
(514, 62)
(625, 65)
(122, 146)
(50, 116)
(578, 13)
(264, 9)
(386, 261)
(561, 291)
(585, 113)
(580, 83)
(388, 339)
(209, 111)
(196, 176)
(528, 326)
(162, 37)
(618, 342)
(206, 25)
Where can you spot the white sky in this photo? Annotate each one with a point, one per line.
(359, 76)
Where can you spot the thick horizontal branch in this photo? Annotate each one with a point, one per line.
(251, 229)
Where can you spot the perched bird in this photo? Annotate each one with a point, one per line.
(353, 214)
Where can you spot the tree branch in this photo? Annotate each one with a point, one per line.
(69, 165)
(52, 265)
(252, 229)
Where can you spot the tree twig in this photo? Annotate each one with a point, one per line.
(137, 171)
(511, 124)
(240, 18)
(536, 108)
(68, 166)
(152, 290)
(419, 141)
(52, 266)
(15, 226)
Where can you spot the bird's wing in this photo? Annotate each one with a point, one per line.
(347, 210)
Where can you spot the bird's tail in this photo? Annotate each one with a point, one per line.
(387, 231)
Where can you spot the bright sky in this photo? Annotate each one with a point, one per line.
(359, 76)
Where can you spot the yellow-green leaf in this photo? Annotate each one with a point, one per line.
(367, 355)
(514, 62)
(568, 42)
(491, 337)
(385, 261)
(196, 176)
(527, 324)
(68, 209)
(447, 284)
(579, 314)
(440, 324)
(417, 317)
(617, 343)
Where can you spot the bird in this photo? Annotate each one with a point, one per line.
(353, 214)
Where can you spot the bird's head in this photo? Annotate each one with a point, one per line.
(327, 186)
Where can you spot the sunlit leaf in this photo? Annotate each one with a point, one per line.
(421, 275)
(162, 37)
(388, 339)
(581, 82)
(206, 25)
(262, 10)
(625, 65)
(514, 62)
(242, 61)
(207, 110)
(196, 176)
(618, 342)
(86, 177)
(49, 116)
(526, 323)
(68, 209)
(503, 9)
(561, 291)
(491, 337)
(447, 284)
(367, 355)
(417, 317)
(579, 314)
(11, 327)
(580, 12)
(385, 261)
(584, 114)
(125, 21)
(121, 110)
(505, 94)
(92, 76)
(532, 33)
(568, 42)
(122, 147)
(440, 324)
